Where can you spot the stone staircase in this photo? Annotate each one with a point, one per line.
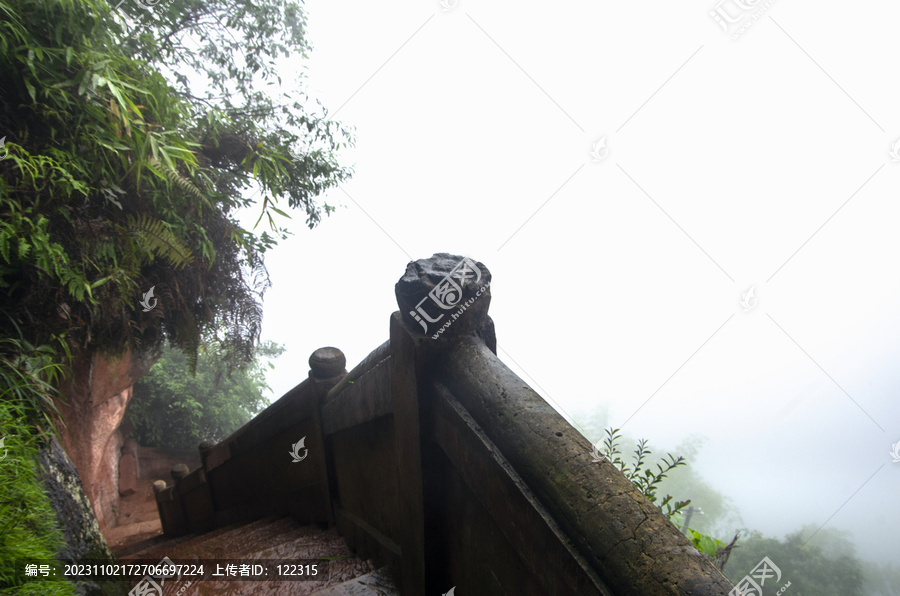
(138, 521)
(269, 538)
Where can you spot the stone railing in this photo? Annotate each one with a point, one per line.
(432, 457)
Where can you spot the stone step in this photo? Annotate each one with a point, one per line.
(242, 541)
(138, 514)
(195, 541)
(276, 538)
(132, 533)
(137, 520)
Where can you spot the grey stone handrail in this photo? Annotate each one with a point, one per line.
(431, 456)
(629, 543)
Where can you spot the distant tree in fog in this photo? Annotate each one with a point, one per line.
(826, 566)
(174, 409)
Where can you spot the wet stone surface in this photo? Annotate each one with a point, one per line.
(272, 538)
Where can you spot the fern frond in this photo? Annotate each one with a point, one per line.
(159, 240)
(188, 333)
(182, 183)
(185, 185)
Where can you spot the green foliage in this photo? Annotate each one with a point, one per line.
(27, 521)
(705, 544)
(645, 479)
(118, 176)
(713, 548)
(29, 375)
(121, 176)
(173, 409)
(649, 481)
(715, 513)
(159, 240)
(824, 566)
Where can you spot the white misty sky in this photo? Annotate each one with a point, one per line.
(760, 162)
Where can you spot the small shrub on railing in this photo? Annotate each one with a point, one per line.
(647, 481)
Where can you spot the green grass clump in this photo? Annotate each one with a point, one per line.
(28, 527)
(27, 521)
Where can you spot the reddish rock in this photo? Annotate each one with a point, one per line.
(96, 395)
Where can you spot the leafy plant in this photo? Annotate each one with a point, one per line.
(118, 175)
(27, 521)
(644, 478)
(30, 374)
(159, 240)
(133, 139)
(714, 549)
(648, 480)
(705, 544)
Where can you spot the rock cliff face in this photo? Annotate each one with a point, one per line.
(96, 396)
(81, 534)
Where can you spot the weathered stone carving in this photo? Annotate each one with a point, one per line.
(446, 296)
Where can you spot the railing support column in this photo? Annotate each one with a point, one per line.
(431, 293)
(408, 439)
(327, 366)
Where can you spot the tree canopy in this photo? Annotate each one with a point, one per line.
(132, 136)
(174, 409)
